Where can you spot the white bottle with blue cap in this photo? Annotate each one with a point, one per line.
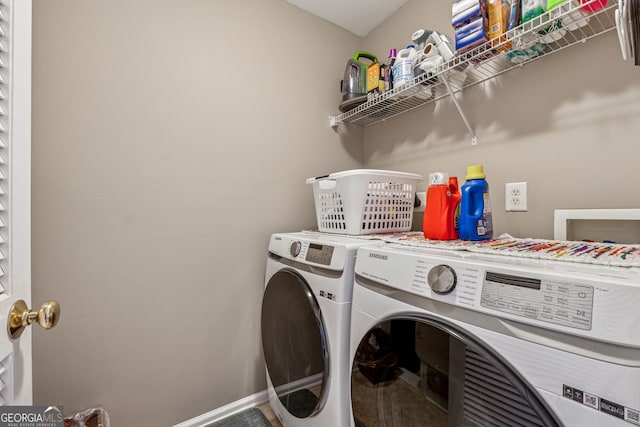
(403, 67)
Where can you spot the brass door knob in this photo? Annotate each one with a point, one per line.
(20, 317)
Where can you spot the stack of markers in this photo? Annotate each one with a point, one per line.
(618, 255)
(587, 252)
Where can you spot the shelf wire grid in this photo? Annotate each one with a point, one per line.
(487, 61)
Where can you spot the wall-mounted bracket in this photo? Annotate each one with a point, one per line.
(474, 140)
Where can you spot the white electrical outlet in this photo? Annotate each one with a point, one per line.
(516, 197)
(422, 195)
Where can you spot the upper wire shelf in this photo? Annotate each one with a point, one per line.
(543, 34)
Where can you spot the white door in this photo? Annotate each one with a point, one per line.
(15, 176)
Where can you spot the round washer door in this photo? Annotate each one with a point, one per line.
(421, 372)
(294, 342)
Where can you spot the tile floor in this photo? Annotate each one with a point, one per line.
(268, 412)
(368, 405)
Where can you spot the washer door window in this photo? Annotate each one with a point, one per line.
(419, 373)
(294, 344)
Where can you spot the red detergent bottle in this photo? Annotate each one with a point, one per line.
(438, 218)
(454, 208)
(475, 206)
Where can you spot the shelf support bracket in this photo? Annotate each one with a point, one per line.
(474, 140)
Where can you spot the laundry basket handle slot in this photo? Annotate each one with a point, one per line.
(327, 184)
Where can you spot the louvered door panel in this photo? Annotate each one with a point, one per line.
(5, 381)
(5, 143)
(15, 206)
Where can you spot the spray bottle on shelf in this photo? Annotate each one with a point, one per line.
(475, 206)
(388, 77)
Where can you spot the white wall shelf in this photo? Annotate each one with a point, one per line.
(622, 225)
(486, 62)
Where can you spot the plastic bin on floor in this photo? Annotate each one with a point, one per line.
(376, 357)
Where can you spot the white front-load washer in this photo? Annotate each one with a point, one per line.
(470, 339)
(306, 313)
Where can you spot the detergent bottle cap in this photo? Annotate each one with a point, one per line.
(475, 172)
(393, 53)
(438, 178)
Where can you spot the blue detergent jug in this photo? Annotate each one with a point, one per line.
(475, 206)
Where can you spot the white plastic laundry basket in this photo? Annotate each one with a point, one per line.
(364, 201)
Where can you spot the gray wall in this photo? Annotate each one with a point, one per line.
(567, 124)
(169, 140)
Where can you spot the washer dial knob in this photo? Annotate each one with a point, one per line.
(295, 248)
(442, 279)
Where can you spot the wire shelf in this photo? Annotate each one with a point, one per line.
(543, 34)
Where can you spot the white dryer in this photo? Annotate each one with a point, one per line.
(497, 340)
(306, 313)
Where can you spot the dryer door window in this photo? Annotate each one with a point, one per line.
(421, 373)
(294, 343)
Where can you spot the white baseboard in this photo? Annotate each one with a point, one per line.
(227, 410)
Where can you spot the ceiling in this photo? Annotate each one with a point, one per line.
(357, 16)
